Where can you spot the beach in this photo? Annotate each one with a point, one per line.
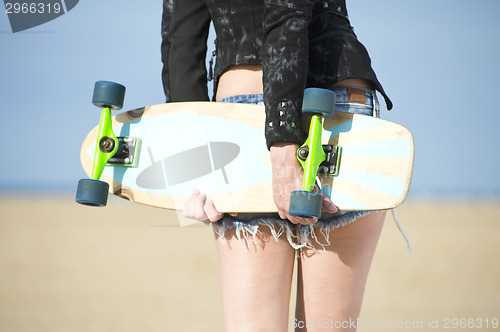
(127, 267)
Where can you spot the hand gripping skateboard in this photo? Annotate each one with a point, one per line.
(161, 153)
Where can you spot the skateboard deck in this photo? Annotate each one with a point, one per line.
(220, 149)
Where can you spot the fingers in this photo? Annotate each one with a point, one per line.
(284, 214)
(199, 208)
(193, 208)
(282, 201)
(287, 177)
(302, 221)
(327, 204)
(299, 220)
(211, 212)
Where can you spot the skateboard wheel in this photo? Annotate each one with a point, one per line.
(319, 101)
(108, 94)
(305, 204)
(92, 192)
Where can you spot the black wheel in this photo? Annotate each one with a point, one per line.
(319, 101)
(108, 94)
(305, 204)
(92, 192)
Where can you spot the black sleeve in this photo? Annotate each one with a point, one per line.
(184, 32)
(285, 68)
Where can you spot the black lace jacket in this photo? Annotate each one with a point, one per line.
(300, 43)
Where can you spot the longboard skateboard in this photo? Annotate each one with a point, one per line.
(165, 151)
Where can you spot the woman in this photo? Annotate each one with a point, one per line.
(256, 274)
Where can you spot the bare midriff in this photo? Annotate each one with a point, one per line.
(244, 80)
(240, 80)
(355, 83)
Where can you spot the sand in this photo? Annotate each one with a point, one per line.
(126, 267)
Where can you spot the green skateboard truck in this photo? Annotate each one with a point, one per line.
(119, 151)
(313, 156)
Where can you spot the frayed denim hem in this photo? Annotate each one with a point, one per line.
(325, 226)
(299, 236)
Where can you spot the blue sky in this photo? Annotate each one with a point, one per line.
(437, 59)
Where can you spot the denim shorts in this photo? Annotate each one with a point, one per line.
(350, 100)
